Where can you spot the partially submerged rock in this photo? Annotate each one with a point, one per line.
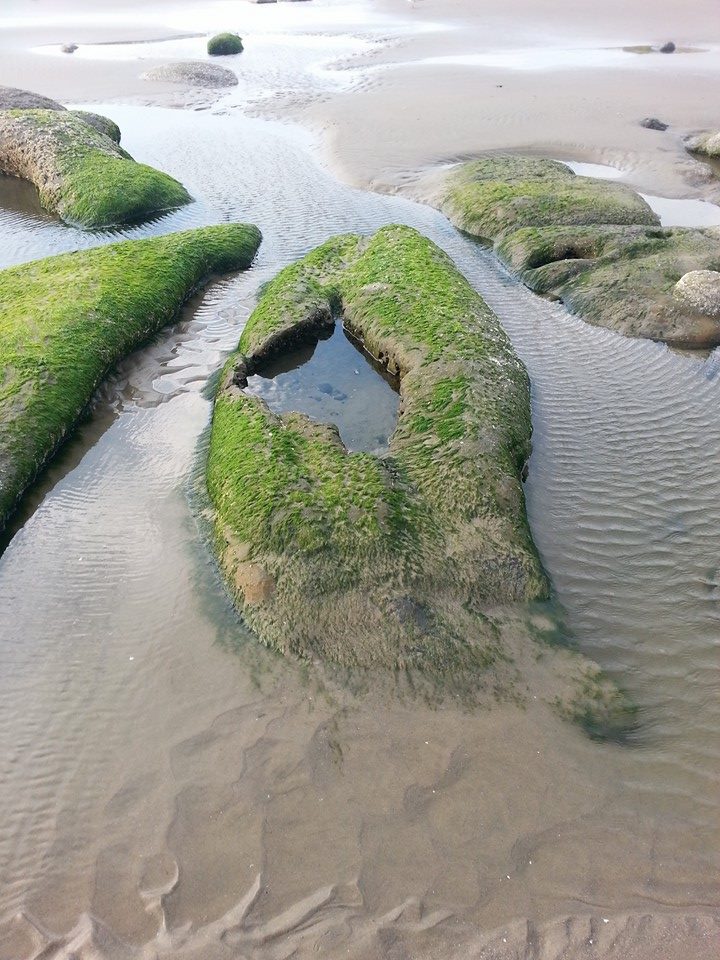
(81, 174)
(224, 45)
(496, 194)
(668, 47)
(193, 73)
(99, 122)
(652, 123)
(707, 144)
(595, 245)
(67, 320)
(623, 278)
(370, 561)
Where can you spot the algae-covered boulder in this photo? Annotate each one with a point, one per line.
(597, 246)
(224, 45)
(192, 73)
(13, 98)
(99, 122)
(81, 174)
(706, 144)
(67, 320)
(367, 560)
(625, 278)
(496, 194)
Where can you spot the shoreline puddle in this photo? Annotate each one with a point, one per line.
(334, 381)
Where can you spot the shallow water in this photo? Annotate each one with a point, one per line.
(154, 762)
(673, 212)
(334, 381)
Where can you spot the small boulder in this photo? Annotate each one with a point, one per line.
(652, 123)
(193, 73)
(700, 290)
(668, 47)
(69, 47)
(225, 45)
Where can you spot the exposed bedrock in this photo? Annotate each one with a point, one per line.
(12, 98)
(80, 172)
(365, 559)
(624, 278)
(410, 560)
(67, 320)
(706, 144)
(99, 122)
(594, 245)
(494, 195)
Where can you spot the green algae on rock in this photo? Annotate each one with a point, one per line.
(623, 278)
(67, 320)
(379, 561)
(224, 45)
(99, 122)
(594, 245)
(80, 173)
(705, 144)
(496, 194)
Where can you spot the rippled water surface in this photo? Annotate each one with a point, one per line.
(166, 782)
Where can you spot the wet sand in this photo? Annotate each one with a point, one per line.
(168, 788)
(558, 83)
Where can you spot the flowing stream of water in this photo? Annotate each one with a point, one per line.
(158, 770)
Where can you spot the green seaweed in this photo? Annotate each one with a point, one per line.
(99, 122)
(498, 194)
(83, 175)
(366, 560)
(66, 321)
(621, 277)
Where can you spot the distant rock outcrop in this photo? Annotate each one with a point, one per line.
(193, 73)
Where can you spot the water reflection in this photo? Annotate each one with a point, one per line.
(334, 381)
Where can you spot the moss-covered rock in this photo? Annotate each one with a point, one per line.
(597, 246)
(624, 278)
(706, 144)
(12, 98)
(67, 320)
(224, 45)
(80, 173)
(496, 194)
(99, 122)
(362, 560)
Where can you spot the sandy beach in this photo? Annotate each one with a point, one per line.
(171, 790)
